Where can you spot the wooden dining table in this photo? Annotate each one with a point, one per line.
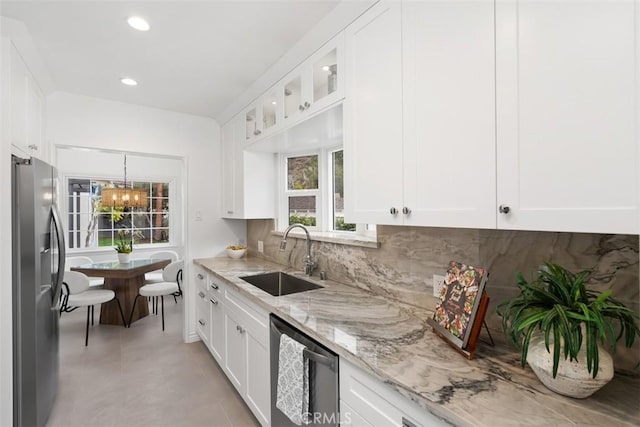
(125, 280)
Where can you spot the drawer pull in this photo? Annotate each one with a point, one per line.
(200, 276)
(214, 286)
(201, 294)
(201, 322)
(214, 302)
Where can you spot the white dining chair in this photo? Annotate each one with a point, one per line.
(77, 294)
(156, 276)
(77, 261)
(170, 286)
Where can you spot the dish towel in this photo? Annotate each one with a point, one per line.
(293, 381)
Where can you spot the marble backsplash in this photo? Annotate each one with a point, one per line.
(408, 257)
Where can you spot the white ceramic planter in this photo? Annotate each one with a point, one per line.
(124, 258)
(573, 378)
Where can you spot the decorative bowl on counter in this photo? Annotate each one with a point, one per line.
(236, 251)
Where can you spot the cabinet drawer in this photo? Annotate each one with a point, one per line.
(378, 404)
(202, 318)
(216, 286)
(200, 278)
(250, 317)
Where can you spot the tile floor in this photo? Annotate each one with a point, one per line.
(141, 376)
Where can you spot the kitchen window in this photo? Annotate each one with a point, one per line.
(91, 225)
(313, 193)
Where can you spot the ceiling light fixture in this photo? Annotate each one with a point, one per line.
(138, 23)
(325, 68)
(273, 102)
(128, 81)
(124, 197)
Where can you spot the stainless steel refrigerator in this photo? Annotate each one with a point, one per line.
(38, 269)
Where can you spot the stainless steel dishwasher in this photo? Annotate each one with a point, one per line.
(323, 378)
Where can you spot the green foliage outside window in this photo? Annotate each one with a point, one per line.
(309, 221)
(342, 226)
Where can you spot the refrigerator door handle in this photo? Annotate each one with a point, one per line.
(62, 254)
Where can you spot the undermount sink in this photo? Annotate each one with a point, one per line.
(279, 283)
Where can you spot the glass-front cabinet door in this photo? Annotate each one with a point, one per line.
(270, 109)
(292, 91)
(325, 76)
(252, 121)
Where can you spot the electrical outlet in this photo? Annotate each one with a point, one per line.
(260, 246)
(438, 283)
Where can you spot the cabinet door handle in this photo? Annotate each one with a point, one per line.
(214, 286)
(257, 132)
(504, 209)
(201, 294)
(393, 211)
(240, 329)
(214, 302)
(201, 322)
(406, 210)
(229, 212)
(200, 276)
(32, 147)
(306, 105)
(301, 107)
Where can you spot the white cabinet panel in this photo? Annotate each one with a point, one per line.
(258, 379)
(373, 116)
(567, 77)
(18, 99)
(217, 329)
(228, 169)
(25, 104)
(350, 418)
(202, 316)
(449, 113)
(248, 177)
(235, 358)
(374, 403)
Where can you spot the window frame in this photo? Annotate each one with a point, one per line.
(285, 193)
(65, 196)
(324, 194)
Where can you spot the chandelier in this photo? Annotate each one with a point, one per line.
(124, 197)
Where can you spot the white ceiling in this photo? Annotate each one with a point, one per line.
(196, 58)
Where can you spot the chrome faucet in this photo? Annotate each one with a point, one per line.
(308, 260)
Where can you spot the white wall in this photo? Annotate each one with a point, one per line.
(80, 121)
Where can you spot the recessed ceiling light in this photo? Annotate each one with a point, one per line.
(273, 102)
(128, 81)
(138, 23)
(325, 68)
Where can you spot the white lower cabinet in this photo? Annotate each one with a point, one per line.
(217, 329)
(350, 418)
(202, 316)
(235, 359)
(247, 359)
(366, 401)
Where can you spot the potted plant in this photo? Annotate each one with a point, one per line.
(559, 325)
(124, 246)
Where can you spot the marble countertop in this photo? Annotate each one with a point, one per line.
(393, 343)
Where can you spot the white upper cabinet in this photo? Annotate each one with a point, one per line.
(449, 109)
(248, 177)
(311, 87)
(419, 115)
(373, 145)
(23, 103)
(315, 84)
(567, 114)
